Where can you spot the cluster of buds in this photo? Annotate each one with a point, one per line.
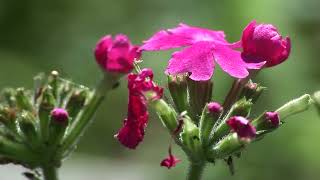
(35, 123)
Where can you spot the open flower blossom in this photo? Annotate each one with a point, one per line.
(116, 55)
(132, 132)
(170, 161)
(263, 43)
(202, 47)
(242, 127)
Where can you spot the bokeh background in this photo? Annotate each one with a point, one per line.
(42, 35)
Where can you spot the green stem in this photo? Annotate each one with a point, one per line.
(85, 117)
(50, 172)
(195, 171)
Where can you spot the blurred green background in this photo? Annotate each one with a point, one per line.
(42, 35)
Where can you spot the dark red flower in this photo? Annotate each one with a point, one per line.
(263, 43)
(116, 55)
(242, 127)
(132, 132)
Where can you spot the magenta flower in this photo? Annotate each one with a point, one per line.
(203, 46)
(116, 55)
(263, 43)
(242, 127)
(273, 118)
(132, 132)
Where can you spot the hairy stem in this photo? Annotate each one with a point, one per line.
(195, 171)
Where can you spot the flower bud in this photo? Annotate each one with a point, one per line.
(252, 91)
(76, 102)
(267, 121)
(240, 108)
(295, 106)
(228, 146)
(200, 93)
(166, 114)
(46, 106)
(23, 100)
(210, 115)
(190, 138)
(58, 124)
(179, 91)
(262, 42)
(54, 84)
(242, 127)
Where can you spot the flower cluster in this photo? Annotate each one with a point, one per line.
(34, 123)
(204, 129)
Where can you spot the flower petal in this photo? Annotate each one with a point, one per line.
(164, 40)
(230, 61)
(197, 34)
(196, 59)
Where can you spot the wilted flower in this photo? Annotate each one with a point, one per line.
(132, 132)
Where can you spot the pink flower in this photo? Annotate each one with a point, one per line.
(170, 161)
(273, 118)
(263, 43)
(242, 127)
(132, 132)
(116, 55)
(202, 46)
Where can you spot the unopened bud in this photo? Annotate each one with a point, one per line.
(209, 116)
(46, 106)
(252, 91)
(190, 137)
(267, 122)
(58, 124)
(76, 102)
(228, 146)
(166, 113)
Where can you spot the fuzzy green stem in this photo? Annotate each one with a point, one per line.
(195, 171)
(50, 172)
